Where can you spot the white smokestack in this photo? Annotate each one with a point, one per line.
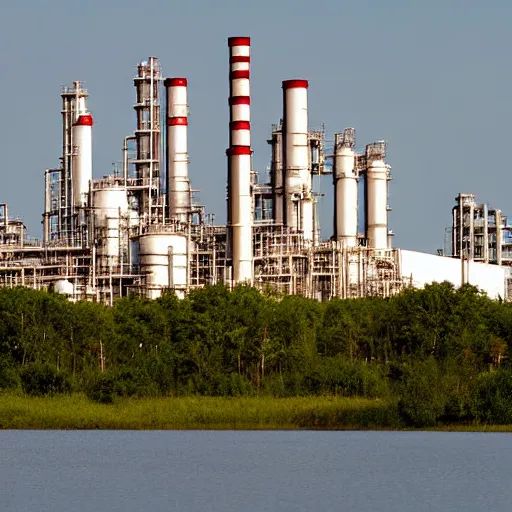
(178, 185)
(82, 158)
(376, 196)
(298, 207)
(241, 213)
(239, 161)
(345, 188)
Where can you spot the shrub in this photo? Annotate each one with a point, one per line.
(9, 376)
(346, 378)
(108, 386)
(492, 397)
(234, 385)
(39, 379)
(421, 395)
(103, 389)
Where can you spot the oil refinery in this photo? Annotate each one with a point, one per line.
(140, 229)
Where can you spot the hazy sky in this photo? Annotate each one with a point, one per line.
(434, 81)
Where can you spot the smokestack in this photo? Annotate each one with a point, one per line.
(376, 182)
(345, 188)
(81, 166)
(178, 185)
(298, 202)
(239, 160)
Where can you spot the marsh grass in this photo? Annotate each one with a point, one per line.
(18, 411)
(78, 412)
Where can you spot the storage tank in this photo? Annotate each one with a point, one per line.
(110, 207)
(163, 260)
(64, 287)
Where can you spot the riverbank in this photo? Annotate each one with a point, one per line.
(193, 413)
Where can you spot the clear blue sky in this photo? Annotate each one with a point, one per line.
(433, 79)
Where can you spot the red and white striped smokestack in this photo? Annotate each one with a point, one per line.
(81, 167)
(298, 184)
(239, 160)
(178, 185)
(240, 91)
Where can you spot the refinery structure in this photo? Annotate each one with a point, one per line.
(140, 230)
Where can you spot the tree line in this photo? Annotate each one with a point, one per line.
(440, 353)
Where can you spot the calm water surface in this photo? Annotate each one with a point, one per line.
(254, 471)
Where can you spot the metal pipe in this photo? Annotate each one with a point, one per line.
(125, 158)
(47, 207)
(277, 174)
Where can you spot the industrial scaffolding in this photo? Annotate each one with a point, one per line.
(139, 230)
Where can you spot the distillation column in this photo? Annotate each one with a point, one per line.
(178, 184)
(73, 104)
(81, 173)
(298, 197)
(239, 161)
(82, 159)
(345, 188)
(376, 181)
(147, 137)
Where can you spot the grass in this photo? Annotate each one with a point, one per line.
(76, 411)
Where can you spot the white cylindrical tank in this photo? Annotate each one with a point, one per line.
(178, 185)
(298, 208)
(64, 287)
(82, 159)
(110, 205)
(241, 213)
(163, 260)
(345, 190)
(377, 201)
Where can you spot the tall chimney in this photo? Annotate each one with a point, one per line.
(298, 208)
(239, 161)
(178, 185)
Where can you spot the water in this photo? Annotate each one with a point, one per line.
(254, 471)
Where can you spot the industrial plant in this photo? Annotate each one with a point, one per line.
(140, 230)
